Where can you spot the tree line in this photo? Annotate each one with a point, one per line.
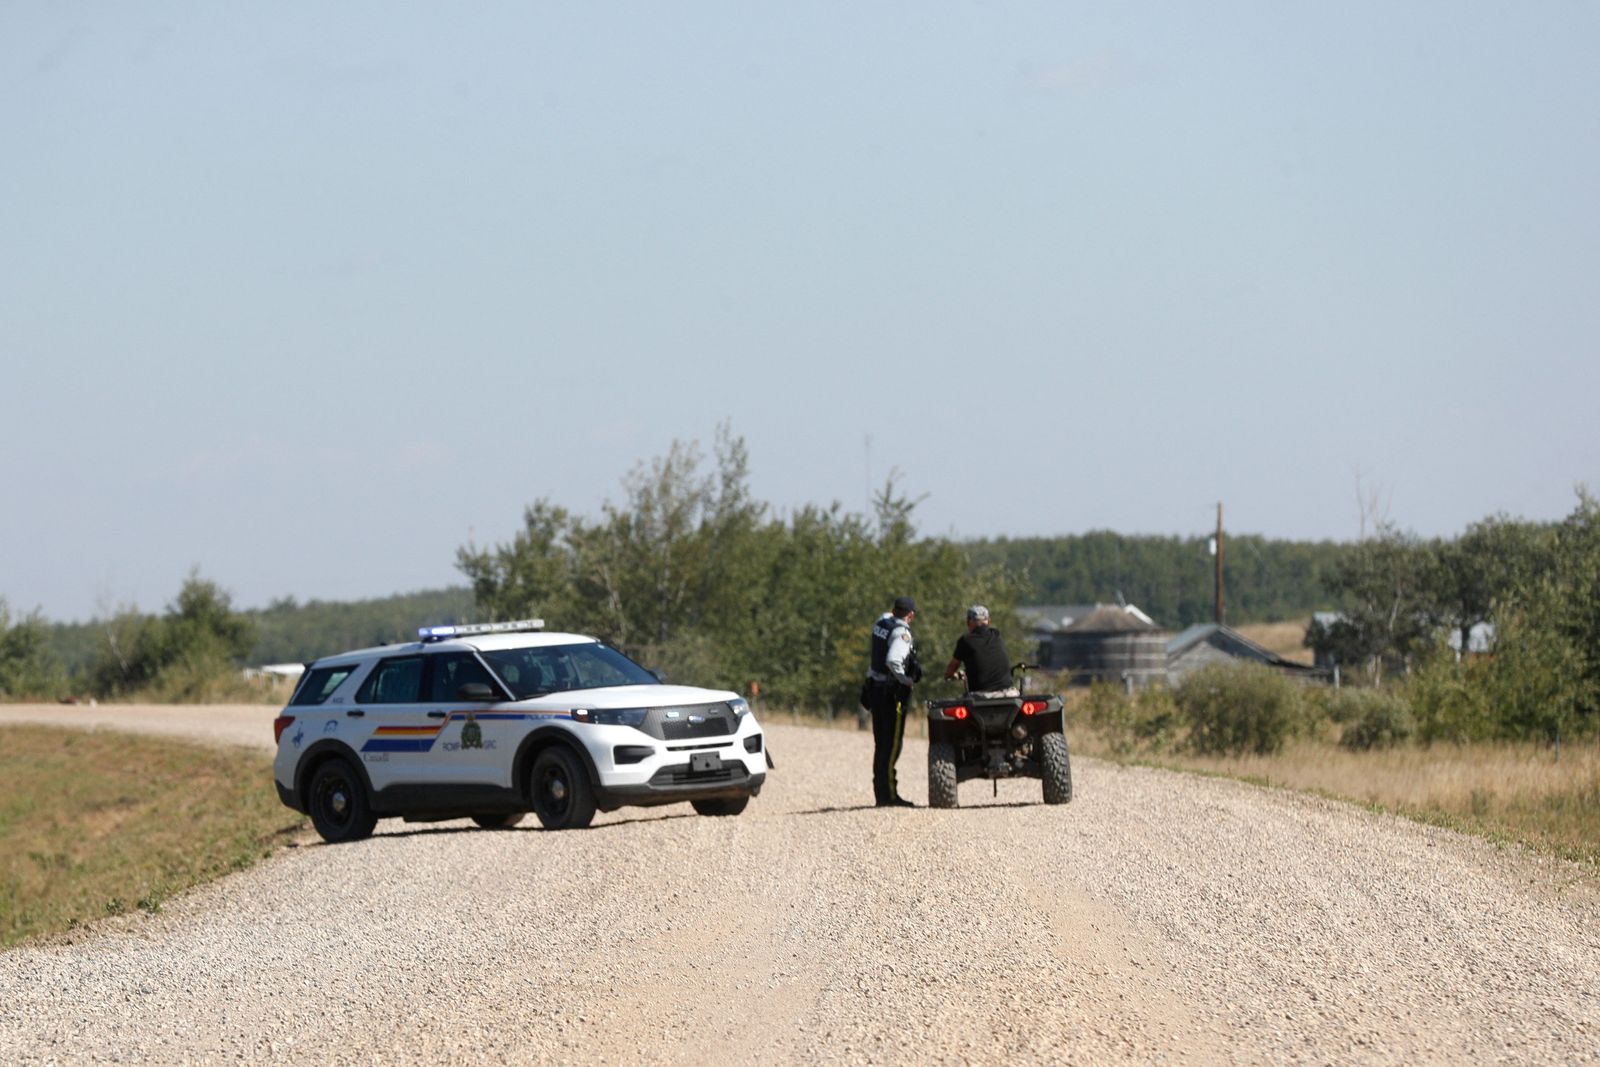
(1538, 584)
(1170, 578)
(692, 575)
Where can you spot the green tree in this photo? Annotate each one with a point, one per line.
(1545, 674)
(691, 574)
(192, 651)
(1475, 574)
(28, 665)
(1387, 585)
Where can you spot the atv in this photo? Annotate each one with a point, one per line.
(995, 738)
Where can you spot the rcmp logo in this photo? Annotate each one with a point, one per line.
(471, 733)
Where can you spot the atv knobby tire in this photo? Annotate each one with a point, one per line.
(1057, 768)
(942, 775)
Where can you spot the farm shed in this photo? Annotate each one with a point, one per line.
(1212, 642)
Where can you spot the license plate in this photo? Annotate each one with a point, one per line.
(701, 762)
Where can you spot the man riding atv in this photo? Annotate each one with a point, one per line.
(996, 730)
(981, 655)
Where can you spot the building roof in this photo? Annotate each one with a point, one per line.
(1227, 639)
(1053, 618)
(1112, 619)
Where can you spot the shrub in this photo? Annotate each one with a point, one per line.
(1239, 707)
(1111, 715)
(1148, 719)
(1341, 706)
(1375, 719)
(1155, 717)
(1449, 701)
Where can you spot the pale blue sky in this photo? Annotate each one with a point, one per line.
(309, 295)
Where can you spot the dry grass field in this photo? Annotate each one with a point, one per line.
(1283, 638)
(1506, 792)
(99, 823)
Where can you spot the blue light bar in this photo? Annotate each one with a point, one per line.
(439, 633)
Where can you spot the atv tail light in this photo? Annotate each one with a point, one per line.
(957, 712)
(279, 725)
(1033, 707)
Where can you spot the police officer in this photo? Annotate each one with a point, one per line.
(893, 670)
(981, 655)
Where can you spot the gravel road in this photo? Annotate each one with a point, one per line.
(1159, 918)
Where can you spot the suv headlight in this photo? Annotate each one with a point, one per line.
(739, 706)
(611, 716)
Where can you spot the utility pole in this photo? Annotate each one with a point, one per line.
(1219, 612)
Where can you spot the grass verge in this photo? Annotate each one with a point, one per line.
(1504, 792)
(100, 823)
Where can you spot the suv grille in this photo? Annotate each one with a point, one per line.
(731, 771)
(690, 722)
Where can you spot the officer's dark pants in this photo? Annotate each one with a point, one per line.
(888, 732)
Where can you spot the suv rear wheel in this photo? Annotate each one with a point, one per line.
(559, 787)
(338, 803)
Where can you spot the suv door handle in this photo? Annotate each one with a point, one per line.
(355, 713)
(437, 714)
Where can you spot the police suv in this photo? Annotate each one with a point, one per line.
(491, 721)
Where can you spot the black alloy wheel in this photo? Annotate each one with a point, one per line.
(339, 807)
(562, 796)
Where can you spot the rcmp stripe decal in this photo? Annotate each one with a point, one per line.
(421, 738)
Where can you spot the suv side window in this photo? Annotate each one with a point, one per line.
(394, 681)
(320, 684)
(451, 671)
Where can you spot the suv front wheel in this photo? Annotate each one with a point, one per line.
(560, 790)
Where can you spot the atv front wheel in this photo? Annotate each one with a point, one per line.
(1057, 768)
(942, 775)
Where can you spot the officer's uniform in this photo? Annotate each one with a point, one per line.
(889, 682)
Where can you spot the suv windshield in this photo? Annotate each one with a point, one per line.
(532, 672)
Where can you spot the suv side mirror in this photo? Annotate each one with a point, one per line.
(475, 691)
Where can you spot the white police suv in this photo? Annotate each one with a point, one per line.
(494, 720)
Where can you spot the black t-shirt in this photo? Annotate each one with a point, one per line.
(983, 654)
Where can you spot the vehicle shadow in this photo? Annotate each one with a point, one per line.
(845, 809)
(835, 810)
(535, 828)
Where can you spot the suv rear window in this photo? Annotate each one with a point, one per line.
(320, 684)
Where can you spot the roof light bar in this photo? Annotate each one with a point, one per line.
(439, 633)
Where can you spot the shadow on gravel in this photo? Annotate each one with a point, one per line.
(919, 807)
(842, 810)
(430, 831)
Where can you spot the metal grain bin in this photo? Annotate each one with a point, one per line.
(1112, 645)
